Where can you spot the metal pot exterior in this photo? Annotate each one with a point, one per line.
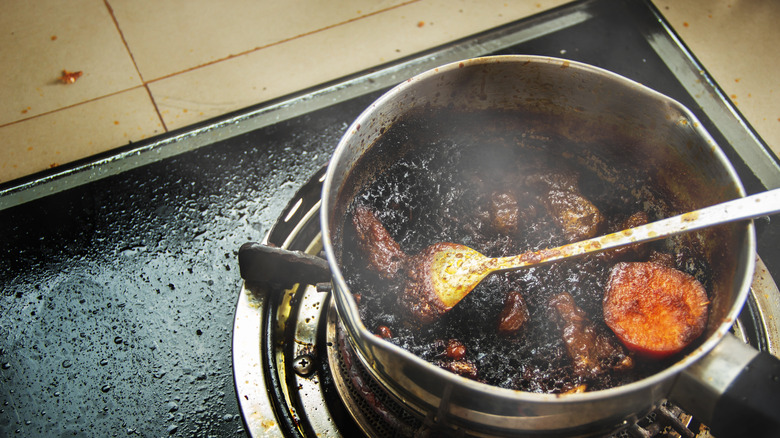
(587, 104)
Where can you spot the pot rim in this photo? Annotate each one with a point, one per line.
(346, 303)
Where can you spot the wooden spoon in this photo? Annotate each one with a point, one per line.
(444, 273)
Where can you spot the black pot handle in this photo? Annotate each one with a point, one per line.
(280, 267)
(735, 390)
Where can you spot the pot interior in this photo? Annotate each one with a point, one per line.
(617, 135)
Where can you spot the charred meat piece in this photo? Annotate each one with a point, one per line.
(504, 212)
(509, 210)
(384, 332)
(463, 368)
(578, 218)
(419, 297)
(455, 349)
(382, 252)
(662, 258)
(635, 252)
(654, 310)
(635, 220)
(576, 389)
(592, 351)
(514, 314)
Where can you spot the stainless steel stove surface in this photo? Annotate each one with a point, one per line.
(120, 277)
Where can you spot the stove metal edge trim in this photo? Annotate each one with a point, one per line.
(705, 91)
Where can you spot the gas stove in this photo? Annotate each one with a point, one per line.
(296, 372)
(119, 272)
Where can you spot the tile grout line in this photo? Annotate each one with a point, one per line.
(255, 49)
(135, 65)
(145, 83)
(46, 113)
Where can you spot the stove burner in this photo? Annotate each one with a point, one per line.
(375, 410)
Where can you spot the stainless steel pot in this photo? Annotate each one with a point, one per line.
(595, 107)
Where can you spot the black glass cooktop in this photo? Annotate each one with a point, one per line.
(119, 273)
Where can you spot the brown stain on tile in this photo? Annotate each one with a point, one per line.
(68, 77)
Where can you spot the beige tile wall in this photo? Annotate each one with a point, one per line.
(738, 42)
(149, 66)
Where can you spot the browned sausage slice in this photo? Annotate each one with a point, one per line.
(653, 309)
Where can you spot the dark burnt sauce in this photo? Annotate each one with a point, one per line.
(477, 182)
